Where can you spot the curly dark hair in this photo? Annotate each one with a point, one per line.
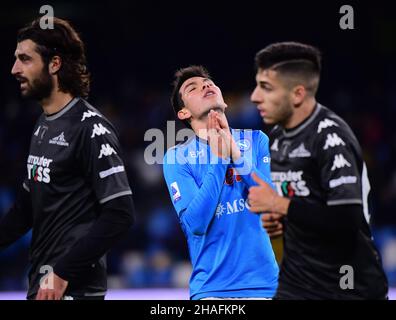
(62, 41)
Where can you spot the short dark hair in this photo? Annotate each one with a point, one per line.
(292, 59)
(65, 42)
(181, 76)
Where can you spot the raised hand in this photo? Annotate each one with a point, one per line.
(225, 132)
(262, 198)
(217, 137)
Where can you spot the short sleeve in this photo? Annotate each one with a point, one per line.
(340, 166)
(100, 156)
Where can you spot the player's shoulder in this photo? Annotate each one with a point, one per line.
(259, 134)
(253, 136)
(329, 123)
(332, 135)
(178, 153)
(85, 114)
(89, 120)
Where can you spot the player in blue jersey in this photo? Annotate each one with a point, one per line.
(208, 178)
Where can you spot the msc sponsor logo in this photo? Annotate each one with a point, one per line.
(38, 169)
(236, 206)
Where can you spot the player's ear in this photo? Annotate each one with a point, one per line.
(184, 114)
(55, 64)
(298, 95)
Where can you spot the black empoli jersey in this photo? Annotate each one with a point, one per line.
(321, 162)
(74, 165)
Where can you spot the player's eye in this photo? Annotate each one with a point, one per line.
(24, 58)
(192, 89)
(266, 87)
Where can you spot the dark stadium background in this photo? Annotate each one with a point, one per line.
(133, 50)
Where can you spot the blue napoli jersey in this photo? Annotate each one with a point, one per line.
(231, 254)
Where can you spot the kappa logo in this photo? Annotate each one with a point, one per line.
(339, 162)
(106, 150)
(98, 130)
(326, 123)
(90, 114)
(300, 152)
(275, 146)
(59, 140)
(332, 141)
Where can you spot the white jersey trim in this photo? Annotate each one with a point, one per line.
(116, 195)
(63, 111)
(365, 192)
(95, 294)
(292, 133)
(344, 201)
